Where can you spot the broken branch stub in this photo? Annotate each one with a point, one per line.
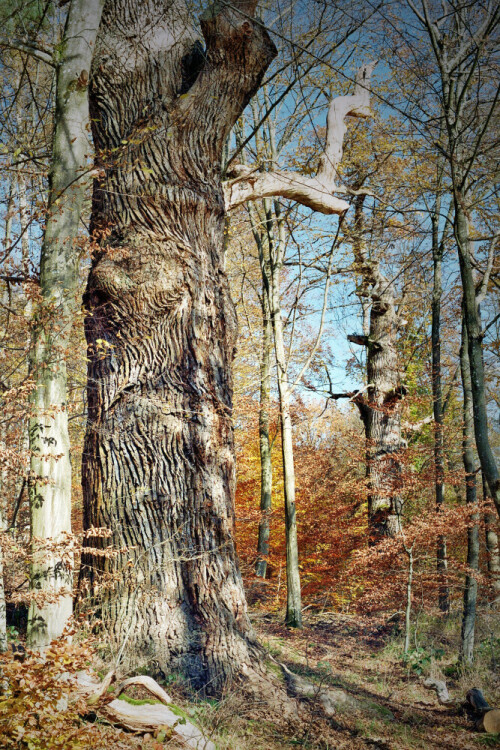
(317, 192)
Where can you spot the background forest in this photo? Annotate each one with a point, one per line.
(365, 411)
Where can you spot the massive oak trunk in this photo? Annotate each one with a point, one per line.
(158, 466)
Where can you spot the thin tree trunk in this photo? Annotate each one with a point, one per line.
(471, 586)
(461, 43)
(492, 551)
(3, 608)
(3, 476)
(486, 457)
(409, 584)
(266, 466)
(294, 598)
(437, 394)
(276, 257)
(271, 262)
(158, 467)
(23, 221)
(50, 485)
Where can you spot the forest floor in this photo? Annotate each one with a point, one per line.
(362, 656)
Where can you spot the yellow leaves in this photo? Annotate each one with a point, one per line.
(40, 709)
(102, 343)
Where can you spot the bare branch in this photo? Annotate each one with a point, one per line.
(483, 284)
(30, 49)
(245, 183)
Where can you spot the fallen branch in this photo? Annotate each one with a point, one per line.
(149, 684)
(441, 690)
(143, 718)
(329, 698)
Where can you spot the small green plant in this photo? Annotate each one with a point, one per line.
(419, 659)
(489, 740)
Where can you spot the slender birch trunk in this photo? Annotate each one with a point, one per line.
(50, 485)
(471, 585)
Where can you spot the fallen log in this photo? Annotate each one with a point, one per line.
(154, 718)
(145, 718)
(486, 718)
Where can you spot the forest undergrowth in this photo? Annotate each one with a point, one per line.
(362, 655)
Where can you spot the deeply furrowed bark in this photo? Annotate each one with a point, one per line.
(158, 464)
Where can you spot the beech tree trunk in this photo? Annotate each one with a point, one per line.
(266, 466)
(471, 586)
(493, 554)
(475, 336)
(293, 597)
(380, 405)
(158, 465)
(437, 400)
(50, 481)
(462, 43)
(271, 257)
